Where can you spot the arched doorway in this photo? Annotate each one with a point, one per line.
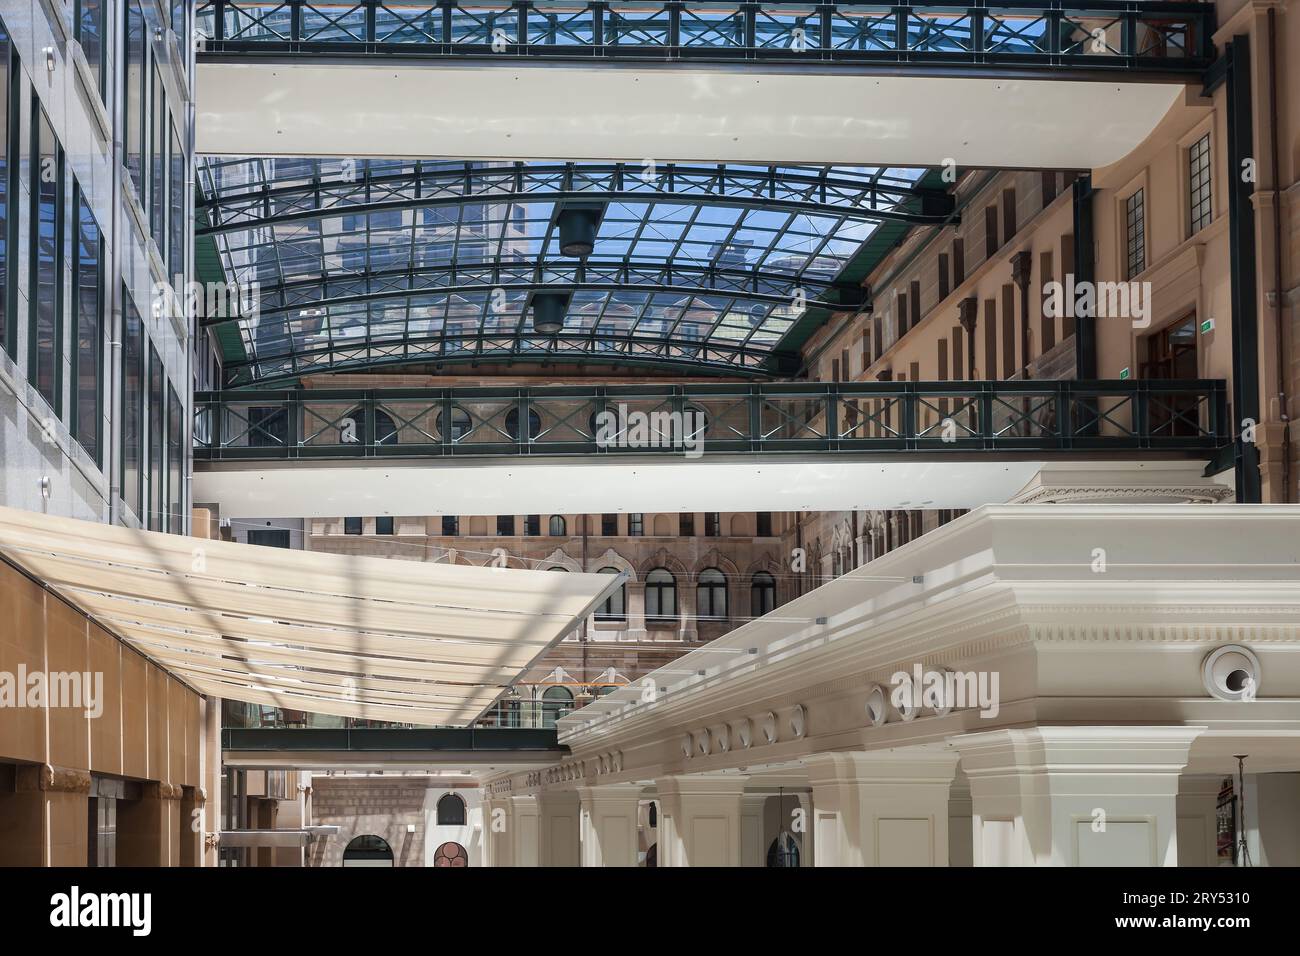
(368, 850)
(784, 851)
(450, 854)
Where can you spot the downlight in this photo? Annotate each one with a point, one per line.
(1232, 673)
(549, 309)
(578, 226)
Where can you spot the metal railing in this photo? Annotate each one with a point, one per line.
(706, 419)
(1107, 36)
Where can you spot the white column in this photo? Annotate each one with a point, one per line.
(752, 835)
(498, 832)
(881, 807)
(524, 838)
(1198, 831)
(636, 629)
(558, 817)
(1075, 796)
(210, 707)
(960, 832)
(699, 819)
(609, 824)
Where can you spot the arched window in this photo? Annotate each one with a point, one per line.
(459, 425)
(711, 594)
(784, 851)
(660, 594)
(355, 433)
(762, 594)
(556, 702)
(615, 606)
(368, 850)
(451, 811)
(558, 528)
(512, 424)
(450, 854)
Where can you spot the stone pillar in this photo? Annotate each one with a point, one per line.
(1198, 831)
(525, 841)
(699, 819)
(147, 828)
(559, 843)
(1075, 796)
(636, 629)
(47, 803)
(881, 807)
(498, 832)
(609, 824)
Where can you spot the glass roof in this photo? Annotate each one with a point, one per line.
(357, 263)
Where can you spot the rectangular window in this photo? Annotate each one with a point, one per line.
(686, 525)
(88, 26)
(506, 525)
(45, 347)
(1008, 214)
(914, 299)
(764, 524)
(958, 262)
(713, 524)
(1047, 330)
(533, 525)
(943, 276)
(133, 352)
(450, 526)
(269, 537)
(156, 444)
(990, 231)
(635, 525)
(9, 107)
(1135, 224)
(609, 525)
(158, 163)
(991, 339)
(175, 462)
(178, 213)
(1049, 187)
(351, 525)
(88, 329)
(384, 524)
(1009, 366)
(1198, 184)
(135, 84)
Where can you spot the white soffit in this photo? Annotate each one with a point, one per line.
(416, 110)
(411, 641)
(299, 489)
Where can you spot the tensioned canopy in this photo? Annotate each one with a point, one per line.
(412, 641)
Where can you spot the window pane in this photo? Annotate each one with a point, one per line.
(157, 162)
(47, 252)
(132, 406)
(178, 213)
(88, 306)
(156, 385)
(89, 27)
(8, 62)
(1198, 179)
(175, 462)
(135, 95)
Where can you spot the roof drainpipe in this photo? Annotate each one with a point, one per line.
(1279, 325)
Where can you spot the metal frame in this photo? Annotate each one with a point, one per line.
(391, 739)
(850, 417)
(706, 267)
(975, 38)
(831, 190)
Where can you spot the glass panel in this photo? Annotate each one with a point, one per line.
(175, 462)
(135, 82)
(156, 437)
(133, 352)
(47, 261)
(88, 309)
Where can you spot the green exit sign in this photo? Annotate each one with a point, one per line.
(1207, 326)
(1123, 374)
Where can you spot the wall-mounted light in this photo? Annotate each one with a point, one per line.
(45, 487)
(49, 57)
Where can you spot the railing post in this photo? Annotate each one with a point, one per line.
(755, 400)
(826, 16)
(1064, 415)
(674, 27)
(293, 413)
(908, 424)
(1141, 414)
(598, 27)
(368, 410)
(831, 414)
(295, 21)
(372, 33)
(219, 20)
(521, 37)
(989, 439)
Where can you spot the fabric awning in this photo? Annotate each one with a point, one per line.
(386, 639)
